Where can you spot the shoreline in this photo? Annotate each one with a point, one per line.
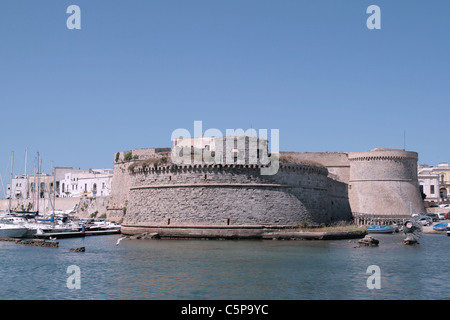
(240, 232)
(243, 232)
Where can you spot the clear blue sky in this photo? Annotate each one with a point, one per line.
(139, 69)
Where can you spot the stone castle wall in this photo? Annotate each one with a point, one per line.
(222, 195)
(384, 182)
(336, 162)
(122, 179)
(314, 187)
(381, 182)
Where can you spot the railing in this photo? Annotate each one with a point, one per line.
(382, 219)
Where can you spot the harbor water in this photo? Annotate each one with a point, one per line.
(214, 269)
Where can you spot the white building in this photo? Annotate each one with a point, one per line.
(429, 183)
(18, 189)
(69, 182)
(443, 170)
(86, 183)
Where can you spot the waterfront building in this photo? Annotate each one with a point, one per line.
(435, 182)
(428, 183)
(443, 170)
(86, 183)
(28, 187)
(69, 182)
(18, 188)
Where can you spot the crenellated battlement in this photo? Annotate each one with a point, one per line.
(383, 154)
(174, 168)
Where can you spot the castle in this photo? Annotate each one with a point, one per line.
(152, 193)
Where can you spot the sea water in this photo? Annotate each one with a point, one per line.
(227, 269)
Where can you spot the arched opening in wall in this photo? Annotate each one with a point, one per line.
(443, 193)
(42, 190)
(94, 189)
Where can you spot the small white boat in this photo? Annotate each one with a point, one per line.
(9, 230)
(104, 225)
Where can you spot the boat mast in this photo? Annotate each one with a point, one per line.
(26, 158)
(43, 189)
(34, 185)
(11, 183)
(37, 185)
(54, 191)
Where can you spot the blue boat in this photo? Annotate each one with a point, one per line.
(378, 228)
(441, 226)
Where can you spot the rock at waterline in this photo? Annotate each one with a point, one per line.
(39, 243)
(410, 242)
(145, 235)
(81, 249)
(368, 241)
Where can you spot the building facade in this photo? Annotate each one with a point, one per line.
(435, 182)
(64, 182)
(86, 183)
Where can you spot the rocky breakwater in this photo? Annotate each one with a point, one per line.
(33, 242)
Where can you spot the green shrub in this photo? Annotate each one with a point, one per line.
(128, 156)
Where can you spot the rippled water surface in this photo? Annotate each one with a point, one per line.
(205, 269)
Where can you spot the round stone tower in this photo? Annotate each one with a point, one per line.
(383, 183)
(230, 200)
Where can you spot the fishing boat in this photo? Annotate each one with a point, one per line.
(440, 226)
(377, 228)
(10, 230)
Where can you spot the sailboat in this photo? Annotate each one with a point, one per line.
(8, 229)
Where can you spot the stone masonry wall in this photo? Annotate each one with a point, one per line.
(376, 182)
(122, 179)
(234, 195)
(384, 182)
(336, 162)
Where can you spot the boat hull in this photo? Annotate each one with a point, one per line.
(12, 232)
(380, 229)
(441, 227)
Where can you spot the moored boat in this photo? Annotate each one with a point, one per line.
(440, 226)
(9, 230)
(377, 228)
